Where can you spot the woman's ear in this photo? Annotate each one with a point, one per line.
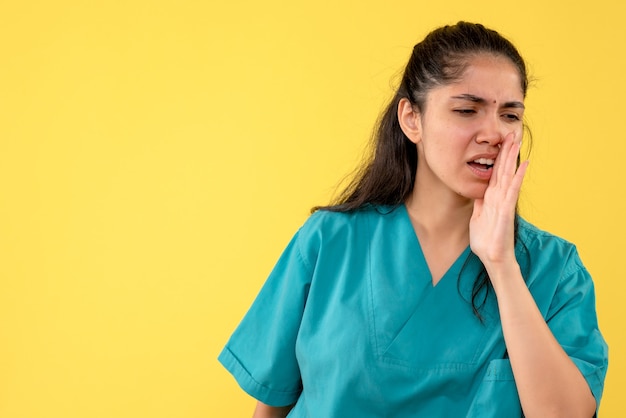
(410, 120)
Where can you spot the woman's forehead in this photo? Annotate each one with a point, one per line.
(484, 78)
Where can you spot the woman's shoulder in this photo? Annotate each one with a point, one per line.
(328, 220)
(329, 228)
(531, 234)
(541, 245)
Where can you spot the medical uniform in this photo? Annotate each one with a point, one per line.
(349, 324)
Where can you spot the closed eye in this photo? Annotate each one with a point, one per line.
(511, 117)
(465, 112)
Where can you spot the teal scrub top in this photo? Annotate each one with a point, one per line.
(349, 324)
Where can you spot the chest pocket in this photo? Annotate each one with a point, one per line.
(497, 394)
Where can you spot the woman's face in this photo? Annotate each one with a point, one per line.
(459, 132)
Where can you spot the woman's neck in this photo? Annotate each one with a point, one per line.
(446, 217)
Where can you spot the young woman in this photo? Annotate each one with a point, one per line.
(421, 292)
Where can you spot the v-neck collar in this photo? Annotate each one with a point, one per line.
(453, 270)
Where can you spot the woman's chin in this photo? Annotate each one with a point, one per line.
(474, 192)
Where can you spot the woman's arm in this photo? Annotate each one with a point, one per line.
(548, 382)
(266, 411)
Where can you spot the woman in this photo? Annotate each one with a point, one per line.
(421, 292)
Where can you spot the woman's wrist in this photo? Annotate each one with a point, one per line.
(504, 275)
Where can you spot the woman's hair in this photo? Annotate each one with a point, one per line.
(387, 176)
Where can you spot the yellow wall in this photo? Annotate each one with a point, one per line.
(156, 156)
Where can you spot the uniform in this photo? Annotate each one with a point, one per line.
(349, 324)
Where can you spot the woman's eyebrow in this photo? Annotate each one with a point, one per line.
(518, 105)
(480, 100)
(470, 97)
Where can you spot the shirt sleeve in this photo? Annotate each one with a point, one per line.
(573, 321)
(261, 353)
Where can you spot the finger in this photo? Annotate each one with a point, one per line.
(518, 179)
(509, 158)
(500, 160)
(509, 155)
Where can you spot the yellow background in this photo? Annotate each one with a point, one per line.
(156, 157)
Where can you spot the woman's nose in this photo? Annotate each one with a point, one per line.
(491, 131)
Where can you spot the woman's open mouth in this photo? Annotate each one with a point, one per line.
(482, 168)
(483, 164)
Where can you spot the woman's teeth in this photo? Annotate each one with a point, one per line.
(484, 161)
